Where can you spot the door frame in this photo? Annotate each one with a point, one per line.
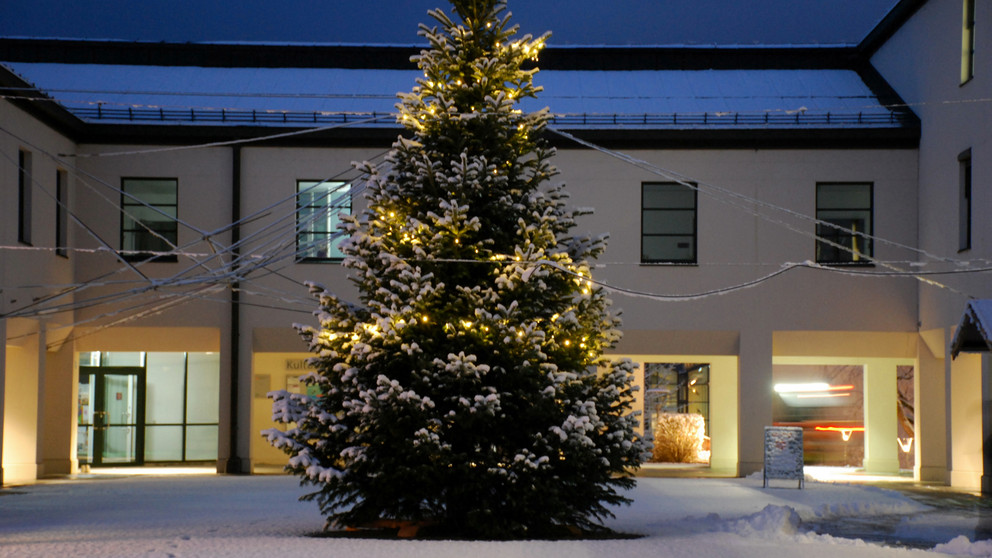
(99, 405)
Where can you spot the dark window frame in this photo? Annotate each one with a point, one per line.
(838, 236)
(694, 259)
(24, 190)
(964, 201)
(128, 200)
(305, 234)
(61, 213)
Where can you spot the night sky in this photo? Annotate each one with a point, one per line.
(589, 22)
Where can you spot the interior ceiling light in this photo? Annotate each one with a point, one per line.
(811, 387)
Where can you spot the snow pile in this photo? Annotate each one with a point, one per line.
(771, 522)
(962, 546)
(863, 509)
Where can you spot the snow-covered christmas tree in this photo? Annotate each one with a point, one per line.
(468, 389)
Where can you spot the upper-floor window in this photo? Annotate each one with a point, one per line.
(668, 223)
(968, 41)
(964, 200)
(61, 213)
(24, 196)
(148, 218)
(319, 207)
(845, 213)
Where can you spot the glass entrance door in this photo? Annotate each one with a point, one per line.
(111, 415)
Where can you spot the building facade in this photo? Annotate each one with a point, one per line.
(795, 233)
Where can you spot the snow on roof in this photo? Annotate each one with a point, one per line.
(974, 333)
(595, 99)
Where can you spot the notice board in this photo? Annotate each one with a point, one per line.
(784, 454)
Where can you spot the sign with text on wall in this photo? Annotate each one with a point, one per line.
(295, 368)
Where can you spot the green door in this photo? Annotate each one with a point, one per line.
(111, 416)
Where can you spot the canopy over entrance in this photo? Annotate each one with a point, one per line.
(974, 333)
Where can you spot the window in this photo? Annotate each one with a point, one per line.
(61, 214)
(968, 41)
(847, 207)
(24, 197)
(319, 206)
(964, 201)
(148, 218)
(677, 410)
(668, 223)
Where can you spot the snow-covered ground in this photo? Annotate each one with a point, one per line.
(259, 516)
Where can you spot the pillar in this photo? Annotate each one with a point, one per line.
(3, 383)
(60, 395)
(881, 423)
(930, 412)
(20, 410)
(966, 419)
(986, 423)
(754, 411)
(39, 396)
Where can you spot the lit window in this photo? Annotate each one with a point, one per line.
(668, 223)
(677, 411)
(61, 213)
(319, 207)
(968, 41)
(964, 201)
(24, 197)
(845, 210)
(148, 218)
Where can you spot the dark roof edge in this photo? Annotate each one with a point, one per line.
(886, 94)
(40, 106)
(865, 138)
(75, 51)
(891, 23)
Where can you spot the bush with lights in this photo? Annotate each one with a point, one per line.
(468, 390)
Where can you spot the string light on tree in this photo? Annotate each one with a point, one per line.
(461, 395)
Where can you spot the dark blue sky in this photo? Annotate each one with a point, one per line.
(615, 22)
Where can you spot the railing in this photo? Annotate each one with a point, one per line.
(598, 120)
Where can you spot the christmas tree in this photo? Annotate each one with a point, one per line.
(468, 390)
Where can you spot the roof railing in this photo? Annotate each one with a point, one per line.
(889, 118)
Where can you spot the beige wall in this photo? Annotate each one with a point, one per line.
(955, 117)
(735, 247)
(28, 273)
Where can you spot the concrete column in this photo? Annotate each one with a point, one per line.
(881, 423)
(61, 392)
(930, 412)
(755, 391)
(3, 383)
(20, 420)
(986, 423)
(724, 410)
(966, 419)
(40, 398)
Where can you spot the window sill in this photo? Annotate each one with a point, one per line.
(320, 260)
(669, 264)
(846, 264)
(142, 258)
